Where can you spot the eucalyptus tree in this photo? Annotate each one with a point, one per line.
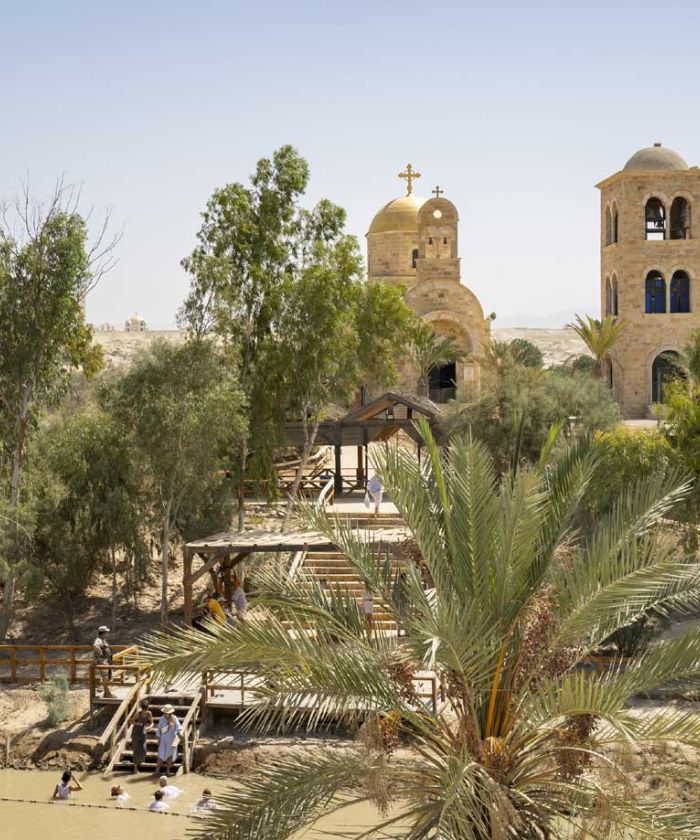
(47, 266)
(180, 407)
(529, 743)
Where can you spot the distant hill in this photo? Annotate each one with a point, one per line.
(548, 321)
(557, 345)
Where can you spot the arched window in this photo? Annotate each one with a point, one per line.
(654, 293)
(680, 219)
(655, 219)
(608, 296)
(608, 226)
(613, 297)
(614, 224)
(443, 383)
(680, 292)
(414, 257)
(666, 368)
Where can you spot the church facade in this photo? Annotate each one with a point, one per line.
(413, 242)
(650, 265)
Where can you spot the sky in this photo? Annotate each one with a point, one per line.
(515, 109)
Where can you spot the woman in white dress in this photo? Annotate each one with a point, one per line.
(168, 734)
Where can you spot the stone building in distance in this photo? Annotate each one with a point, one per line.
(650, 269)
(413, 242)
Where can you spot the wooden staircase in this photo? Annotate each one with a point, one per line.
(187, 710)
(336, 575)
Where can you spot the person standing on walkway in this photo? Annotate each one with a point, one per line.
(368, 609)
(376, 491)
(102, 656)
(239, 599)
(168, 734)
(141, 721)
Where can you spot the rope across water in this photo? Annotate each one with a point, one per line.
(70, 804)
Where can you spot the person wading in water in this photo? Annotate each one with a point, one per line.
(141, 721)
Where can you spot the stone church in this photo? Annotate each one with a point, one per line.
(650, 265)
(413, 242)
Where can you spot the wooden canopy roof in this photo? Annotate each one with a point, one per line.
(378, 420)
(246, 542)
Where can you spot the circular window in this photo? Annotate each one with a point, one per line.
(437, 214)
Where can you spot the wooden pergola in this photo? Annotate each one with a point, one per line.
(229, 548)
(378, 420)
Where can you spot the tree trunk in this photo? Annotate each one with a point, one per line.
(114, 587)
(164, 605)
(309, 440)
(8, 601)
(241, 487)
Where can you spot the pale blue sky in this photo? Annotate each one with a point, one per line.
(515, 109)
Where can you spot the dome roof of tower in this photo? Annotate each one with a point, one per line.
(399, 214)
(655, 158)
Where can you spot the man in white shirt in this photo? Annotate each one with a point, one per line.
(168, 791)
(239, 600)
(158, 804)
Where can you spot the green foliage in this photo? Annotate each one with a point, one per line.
(521, 404)
(430, 351)
(690, 355)
(630, 455)
(56, 694)
(179, 407)
(45, 273)
(600, 337)
(519, 598)
(682, 404)
(526, 353)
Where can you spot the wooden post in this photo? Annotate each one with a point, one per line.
(13, 664)
(72, 665)
(338, 482)
(187, 584)
(92, 684)
(42, 664)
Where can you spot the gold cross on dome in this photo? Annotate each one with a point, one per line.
(410, 176)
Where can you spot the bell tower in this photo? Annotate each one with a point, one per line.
(650, 268)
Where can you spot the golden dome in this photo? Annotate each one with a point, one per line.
(399, 214)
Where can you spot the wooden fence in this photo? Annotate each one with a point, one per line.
(35, 663)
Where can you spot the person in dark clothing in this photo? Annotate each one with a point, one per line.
(141, 721)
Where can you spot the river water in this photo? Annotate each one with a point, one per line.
(45, 820)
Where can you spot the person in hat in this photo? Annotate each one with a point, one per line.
(102, 655)
(168, 734)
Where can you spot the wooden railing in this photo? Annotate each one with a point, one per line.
(189, 731)
(228, 679)
(45, 661)
(116, 733)
(115, 675)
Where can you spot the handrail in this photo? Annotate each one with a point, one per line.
(47, 658)
(297, 563)
(188, 723)
(117, 730)
(327, 491)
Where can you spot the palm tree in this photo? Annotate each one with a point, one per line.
(431, 351)
(599, 337)
(525, 745)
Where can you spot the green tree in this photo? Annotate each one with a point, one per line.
(46, 269)
(181, 407)
(335, 333)
(518, 747)
(600, 337)
(526, 353)
(86, 492)
(250, 242)
(430, 351)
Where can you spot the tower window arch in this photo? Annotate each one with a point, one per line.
(665, 369)
(655, 219)
(680, 218)
(608, 296)
(680, 292)
(414, 257)
(614, 224)
(613, 297)
(608, 226)
(654, 293)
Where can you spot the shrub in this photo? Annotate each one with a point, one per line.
(55, 693)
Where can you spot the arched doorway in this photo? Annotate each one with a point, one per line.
(443, 383)
(666, 368)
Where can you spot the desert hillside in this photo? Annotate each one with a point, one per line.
(556, 345)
